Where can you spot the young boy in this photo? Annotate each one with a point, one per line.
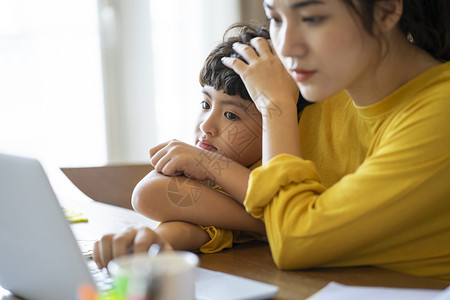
(228, 129)
(227, 136)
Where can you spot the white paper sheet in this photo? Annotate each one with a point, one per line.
(337, 291)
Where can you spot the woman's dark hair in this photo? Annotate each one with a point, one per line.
(216, 74)
(426, 23)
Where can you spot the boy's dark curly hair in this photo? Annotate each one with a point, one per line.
(216, 74)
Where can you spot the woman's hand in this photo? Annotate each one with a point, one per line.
(274, 92)
(176, 158)
(132, 240)
(267, 81)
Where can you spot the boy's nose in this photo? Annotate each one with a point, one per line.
(209, 126)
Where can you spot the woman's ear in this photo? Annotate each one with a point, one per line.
(387, 14)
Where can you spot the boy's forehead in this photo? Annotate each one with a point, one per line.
(226, 99)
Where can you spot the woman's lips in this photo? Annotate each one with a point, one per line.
(302, 75)
(205, 145)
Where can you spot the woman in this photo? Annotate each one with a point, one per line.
(367, 181)
(377, 190)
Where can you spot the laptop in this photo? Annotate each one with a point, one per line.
(40, 258)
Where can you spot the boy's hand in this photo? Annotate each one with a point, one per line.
(132, 240)
(176, 158)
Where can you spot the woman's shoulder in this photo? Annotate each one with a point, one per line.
(436, 78)
(427, 92)
(431, 88)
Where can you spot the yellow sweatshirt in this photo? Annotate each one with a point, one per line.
(372, 186)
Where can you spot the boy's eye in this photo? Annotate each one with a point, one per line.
(231, 116)
(205, 105)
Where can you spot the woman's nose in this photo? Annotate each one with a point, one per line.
(290, 41)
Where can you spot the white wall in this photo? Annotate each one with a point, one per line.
(51, 101)
(153, 52)
(51, 84)
(127, 55)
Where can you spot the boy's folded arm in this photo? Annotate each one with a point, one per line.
(163, 198)
(183, 235)
(233, 178)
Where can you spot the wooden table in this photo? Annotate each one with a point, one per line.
(251, 260)
(114, 184)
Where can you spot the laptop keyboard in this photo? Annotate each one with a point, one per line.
(101, 277)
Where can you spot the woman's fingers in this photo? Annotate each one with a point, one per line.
(262, 46)
(272, 49)
(235, 64)
(246, 51)
(258, 48)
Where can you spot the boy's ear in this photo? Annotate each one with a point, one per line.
(387, 14)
